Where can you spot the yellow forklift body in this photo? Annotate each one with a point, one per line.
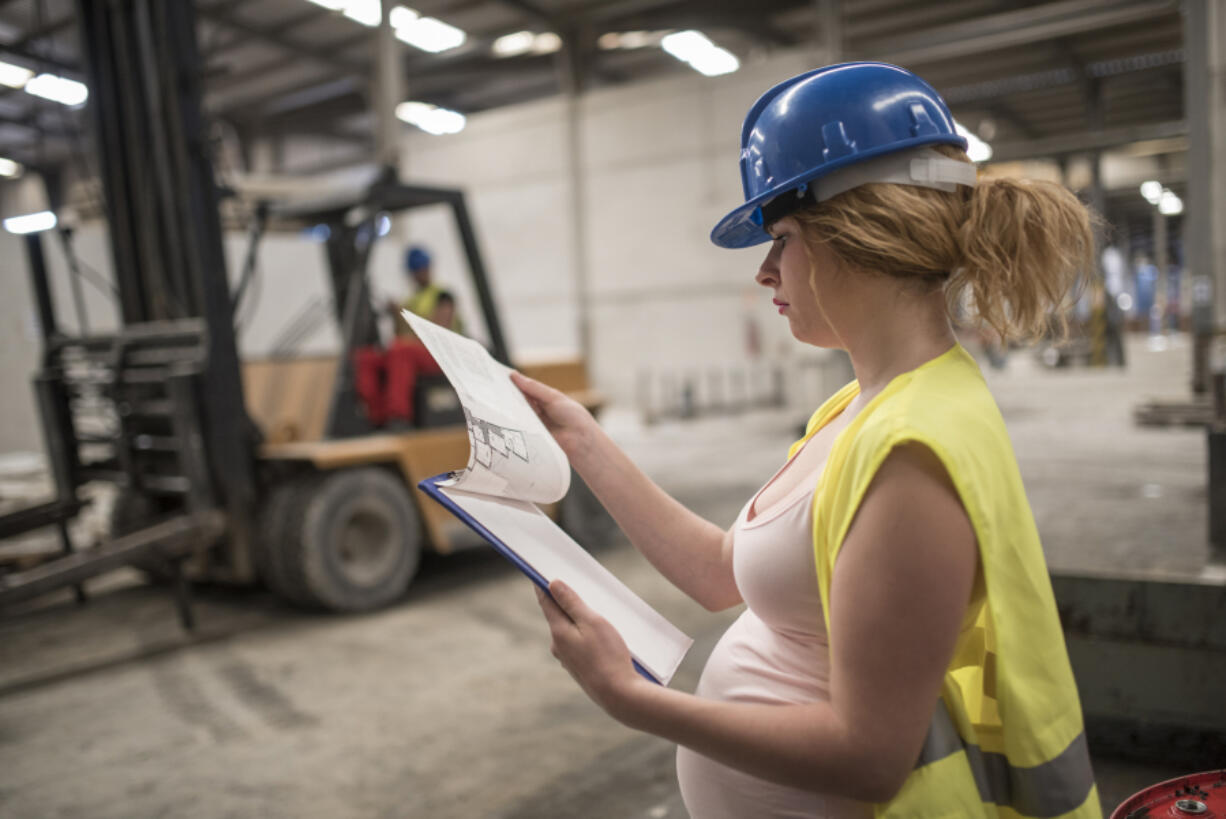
(289, 398)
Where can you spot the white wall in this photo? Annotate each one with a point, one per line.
(19, 346)
(658, 169)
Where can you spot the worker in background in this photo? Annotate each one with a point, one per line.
(424, 298)
(386, 380)
(900, 654)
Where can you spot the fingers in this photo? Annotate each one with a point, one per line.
(569, 602)
(535, 390)
(563, 607)
(554, 614)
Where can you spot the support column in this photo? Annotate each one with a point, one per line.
(1204, 36)
(1096, 120)
(1162, 262)
(387, 91)
(572, 75)
(830, 19)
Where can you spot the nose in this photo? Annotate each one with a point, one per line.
(768, 271)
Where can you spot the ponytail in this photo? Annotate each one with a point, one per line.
(1009, 251)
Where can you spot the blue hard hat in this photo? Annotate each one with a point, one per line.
(821, 121)
(417, 258)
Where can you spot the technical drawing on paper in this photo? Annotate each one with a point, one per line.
(491, 440)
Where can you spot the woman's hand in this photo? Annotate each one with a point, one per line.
(565, 418)
(592, 651)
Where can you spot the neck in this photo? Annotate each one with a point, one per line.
(909, 331)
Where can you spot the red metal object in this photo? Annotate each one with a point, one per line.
(1198, 796)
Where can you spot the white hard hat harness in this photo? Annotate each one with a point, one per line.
(922, 167)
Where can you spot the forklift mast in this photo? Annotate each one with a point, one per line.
(162, 206)
(166, 386)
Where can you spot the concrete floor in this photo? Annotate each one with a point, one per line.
(448, 704)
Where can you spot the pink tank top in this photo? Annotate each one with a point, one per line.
(775, 652)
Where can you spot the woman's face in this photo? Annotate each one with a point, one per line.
(785, 270)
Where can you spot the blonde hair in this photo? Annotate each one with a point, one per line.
(1011, 249)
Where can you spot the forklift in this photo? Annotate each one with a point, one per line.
(265, 471)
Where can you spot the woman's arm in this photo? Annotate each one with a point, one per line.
(900, 590)
(693, 553)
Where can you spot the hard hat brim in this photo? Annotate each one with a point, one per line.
(738, 229)
(742, 227)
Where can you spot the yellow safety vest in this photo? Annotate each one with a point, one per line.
(1006, 737)
(422, 303)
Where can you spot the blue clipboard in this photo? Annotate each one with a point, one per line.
(431, 488)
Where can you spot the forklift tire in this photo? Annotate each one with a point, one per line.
(352, 540)
(583, 517)
(270, 553)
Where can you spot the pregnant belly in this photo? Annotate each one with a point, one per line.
(752, 663)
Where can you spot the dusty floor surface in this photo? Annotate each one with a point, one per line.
(448, 704)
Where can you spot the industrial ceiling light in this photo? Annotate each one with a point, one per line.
(526, 42)
(611, 40)
(30, 222)
(1165, 200)
(366, 12)
(1169, 204)
(9, 168)
(58, 89)
(976, 148)
(431, 118)
(546, 42)
(425, 33)
(14, 76)
(512, 45)
(705, 57)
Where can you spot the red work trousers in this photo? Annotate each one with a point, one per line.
(385, 379)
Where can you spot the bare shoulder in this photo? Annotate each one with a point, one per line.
(912, 486)
(911, 525)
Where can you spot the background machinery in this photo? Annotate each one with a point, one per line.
(226, 470)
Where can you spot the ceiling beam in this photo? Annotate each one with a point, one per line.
(331, 51)
(24, 52)
(698, 16)
(613, 9)
(242, 38)
(1086, 141)
(531, 10)
(1025, 26)
(1055, 77)
(30, 121)
(49, 30)
(1006, 113)
(274, 36)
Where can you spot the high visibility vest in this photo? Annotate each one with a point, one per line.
(1006, 737)
(422, 303)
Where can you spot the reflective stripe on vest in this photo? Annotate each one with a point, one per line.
(1050, 789)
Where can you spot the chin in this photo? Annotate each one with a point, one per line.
(823, 338)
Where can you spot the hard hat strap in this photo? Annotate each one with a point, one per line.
(922, 167)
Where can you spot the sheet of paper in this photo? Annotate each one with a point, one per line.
(657, 644)
(510, 452)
